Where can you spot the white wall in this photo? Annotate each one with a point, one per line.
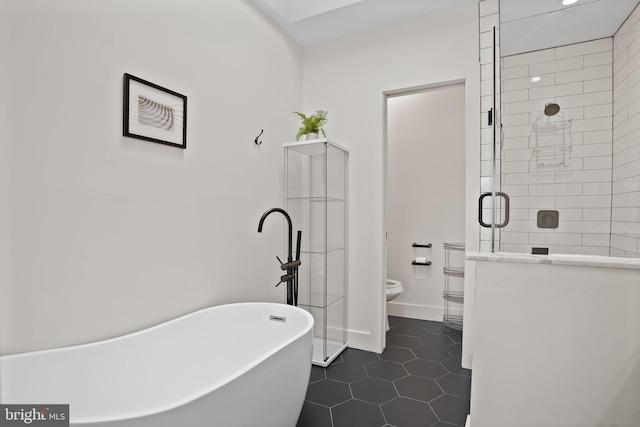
(625, 227)
(551, 371)
(425, 196)
(112, 234)
(5, 251)
(348, 77)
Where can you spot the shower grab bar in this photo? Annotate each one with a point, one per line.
(416, 245)
(506, 209)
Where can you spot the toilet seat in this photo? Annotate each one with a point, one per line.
(393, 284)
(394, 288)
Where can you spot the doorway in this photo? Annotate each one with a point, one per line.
(425, 196)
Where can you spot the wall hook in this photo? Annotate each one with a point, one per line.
(256, 140)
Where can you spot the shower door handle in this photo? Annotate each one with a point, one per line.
(506, 209)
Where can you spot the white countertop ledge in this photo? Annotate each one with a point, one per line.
(557, 259)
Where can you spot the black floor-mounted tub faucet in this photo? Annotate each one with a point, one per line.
(291, 266)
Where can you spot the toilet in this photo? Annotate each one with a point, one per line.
(394, 288)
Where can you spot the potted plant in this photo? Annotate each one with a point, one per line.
(312, 124)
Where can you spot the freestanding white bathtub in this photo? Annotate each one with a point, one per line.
(241, 365)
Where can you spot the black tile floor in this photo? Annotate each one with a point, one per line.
(416, 382)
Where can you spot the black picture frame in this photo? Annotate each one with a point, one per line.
(154, 113)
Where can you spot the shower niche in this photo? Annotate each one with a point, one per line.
(316, 198)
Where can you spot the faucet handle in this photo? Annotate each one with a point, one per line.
(280, 261)
(285, 278)
(292, 264)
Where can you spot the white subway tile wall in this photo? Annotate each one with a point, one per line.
(580, 79)
(625, 227)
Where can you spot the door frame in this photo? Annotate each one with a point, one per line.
(472, 179)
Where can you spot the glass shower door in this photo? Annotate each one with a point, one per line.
(552, 151)
(493, 204)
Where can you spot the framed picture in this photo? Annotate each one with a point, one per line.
(154, 113)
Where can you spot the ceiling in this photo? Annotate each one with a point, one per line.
(526, 25)
(312, 22)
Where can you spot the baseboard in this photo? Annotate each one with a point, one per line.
(361, 341)
(417, 311)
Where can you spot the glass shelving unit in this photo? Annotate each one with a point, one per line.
(316, 199)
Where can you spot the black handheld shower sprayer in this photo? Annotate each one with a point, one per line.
(291, 266)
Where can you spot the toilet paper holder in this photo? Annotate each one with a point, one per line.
(417, 245)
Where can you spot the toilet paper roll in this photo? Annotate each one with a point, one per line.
(421, 260)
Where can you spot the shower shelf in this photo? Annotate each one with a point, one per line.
(454, 246)
(550, 157)
(550, 143)
(453, 271)
(552, 163)
(452, 291)
(452, 296)
(452, 322)
(552, 127)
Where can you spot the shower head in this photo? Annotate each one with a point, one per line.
(551, 109)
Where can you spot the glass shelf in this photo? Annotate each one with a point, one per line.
(316, 300)
(320, 250)
(316, 199)
(314, 147)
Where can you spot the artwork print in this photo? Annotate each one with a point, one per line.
(154, 113)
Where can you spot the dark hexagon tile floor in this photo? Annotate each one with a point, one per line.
(416, 381)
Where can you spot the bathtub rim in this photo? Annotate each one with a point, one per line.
(198, 394)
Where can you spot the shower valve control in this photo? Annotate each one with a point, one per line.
(289, 265)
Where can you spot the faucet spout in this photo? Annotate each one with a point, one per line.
(290, 266)
(290, 234)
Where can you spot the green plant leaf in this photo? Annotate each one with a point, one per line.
(312, 123)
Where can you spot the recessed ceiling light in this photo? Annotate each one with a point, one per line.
(536, 79)
(568, 2)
